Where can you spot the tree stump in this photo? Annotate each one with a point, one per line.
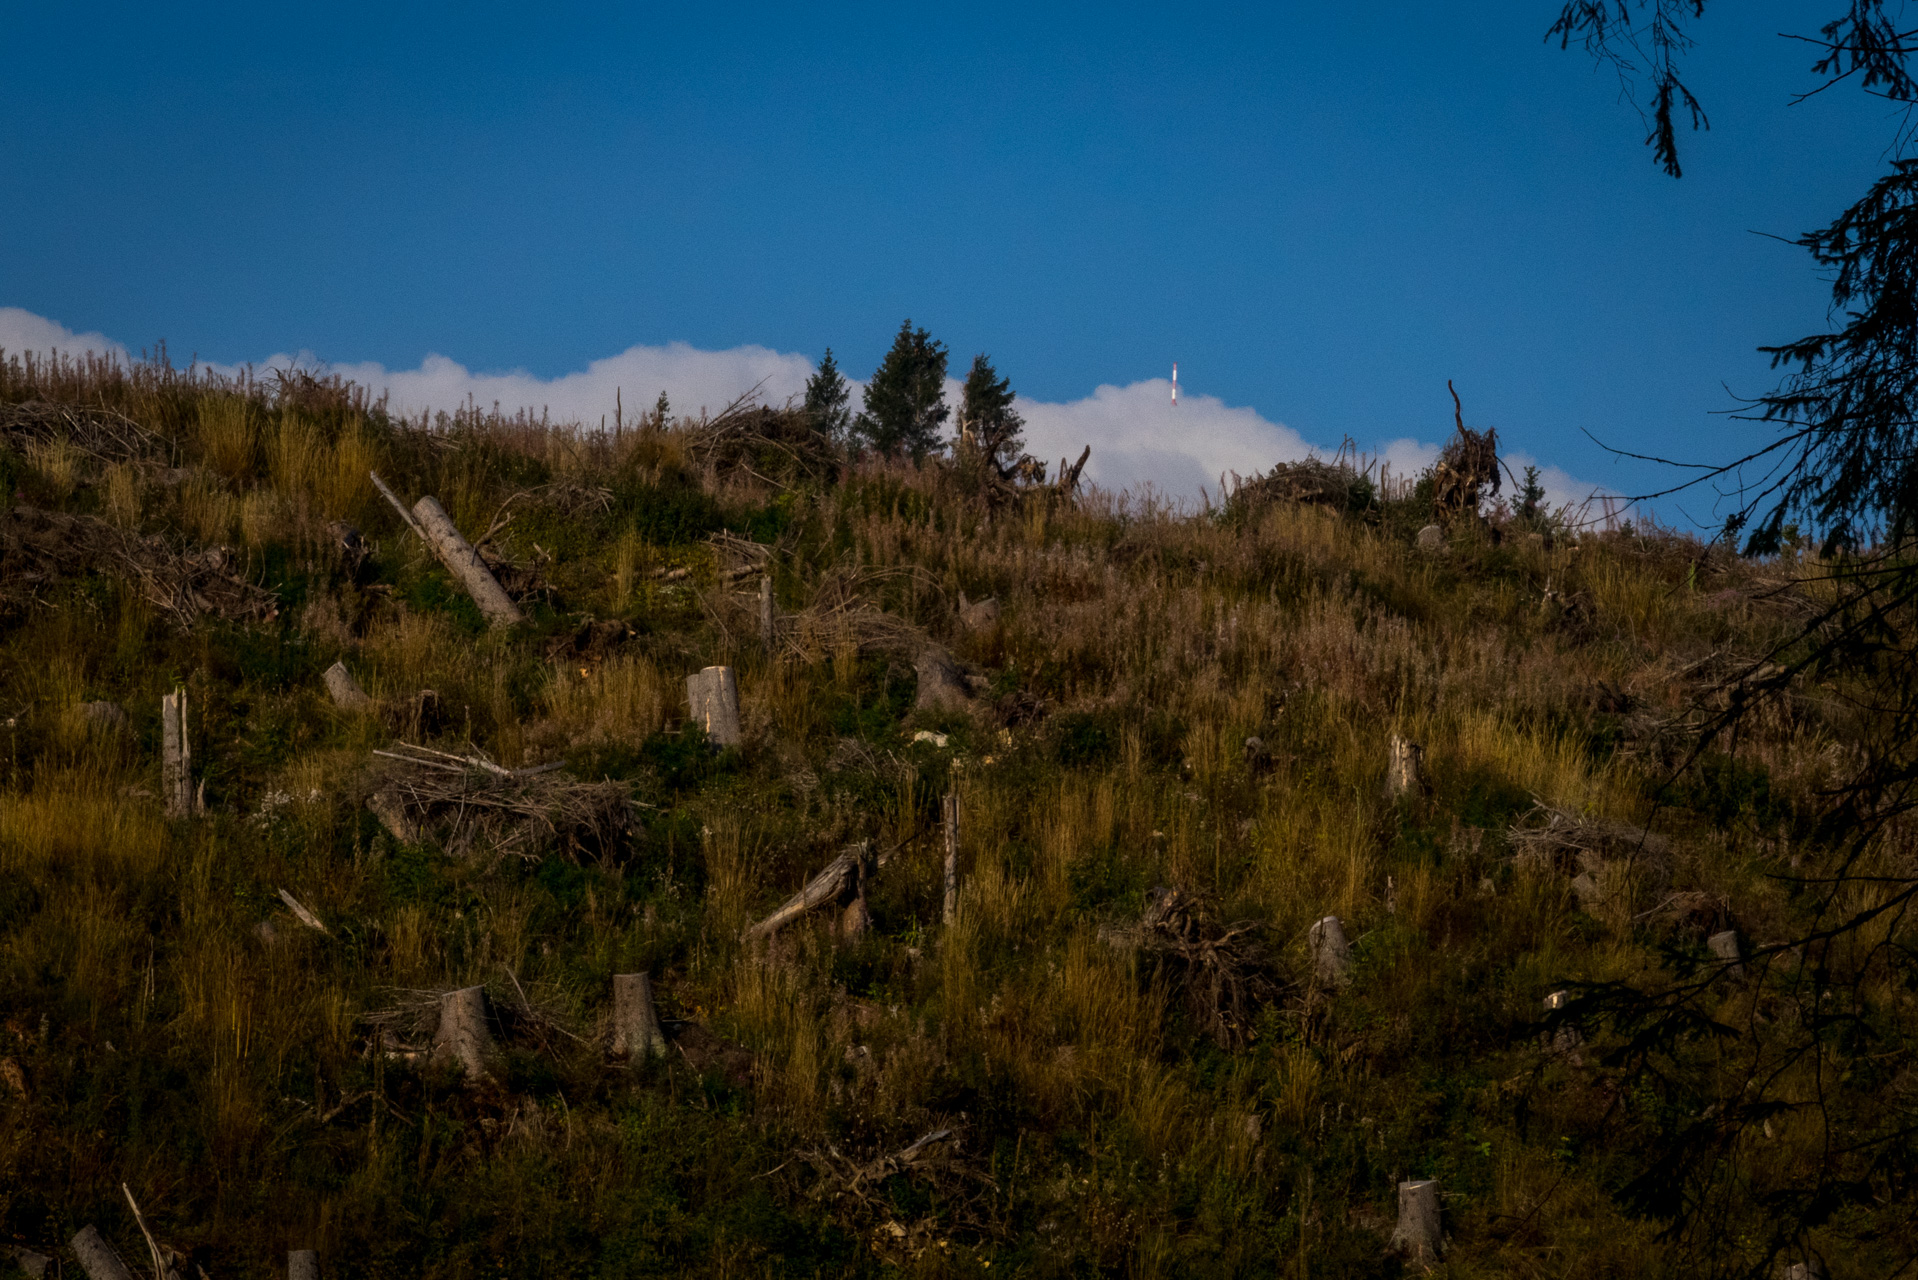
(391, 811)
(1403, 768)
(942, 686)
(1417, 1234)
(1431, 538)
(35, 1264)
(978, 615)
(302, 1264)
(636, 1031)
(98, 1258)
(712, 696)
(1565, 1039)
(463, 1034)
(856, 921)
(464, 563)
(345, 690)
(1331, 953)
(952, 856)
(176, 757)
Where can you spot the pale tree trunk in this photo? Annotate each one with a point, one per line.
(1418, 1234)
(1724, 946)
(457, 554)
(1331, 953)
(176, 757)
(952, 856)
(636, 1031)
(98, 1258)
(712, 695)
(766, 613)
(463, 1035)
(345, 690)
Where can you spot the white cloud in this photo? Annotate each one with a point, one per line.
(1138, 438)
(23, 333)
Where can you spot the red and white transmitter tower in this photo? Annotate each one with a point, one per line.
(1175, 384)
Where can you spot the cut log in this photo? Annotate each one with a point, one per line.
(942, 686)
(457, 554)
(1418, 1232)
(837, 882)
(766, 613)
(712, 695)
(388, 808)
(952, 856)
(300, 913)
(302, 1264)
(98, 1258)
(1331, 953)
(636, 1031)
(1403, 772)
(345, 690)
(464, 1036)
(176, 758)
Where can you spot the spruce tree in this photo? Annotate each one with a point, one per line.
(906, 399)
(987, 421)
(829, 400)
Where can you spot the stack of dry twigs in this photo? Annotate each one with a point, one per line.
(1222, 971)
(478, 805)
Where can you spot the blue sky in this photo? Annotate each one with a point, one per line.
(1321, 212)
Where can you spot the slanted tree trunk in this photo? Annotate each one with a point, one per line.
(457, 554)
(345, 690)
(302, 1264)
(98, 1258)
(766, 613)
(1403, 775)
(1417, 1234)
(838, 881)
(463, 1034)
(636, 1030)
(176, 757)
(952, 856)
(1331, 953)
(712, 695)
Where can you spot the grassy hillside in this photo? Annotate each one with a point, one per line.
(1121, 1098)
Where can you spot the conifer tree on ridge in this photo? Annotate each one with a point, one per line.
(906, 399)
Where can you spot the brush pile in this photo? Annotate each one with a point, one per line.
(866, 1191)
(40, 548)
(1312, 482)
(473, 805)
(96, 431)
(1222, 972)
(778, 446)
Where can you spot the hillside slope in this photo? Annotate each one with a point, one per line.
(1168, 745)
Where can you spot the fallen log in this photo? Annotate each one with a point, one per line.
(839, 881)
(429, 520)
(98, 1258)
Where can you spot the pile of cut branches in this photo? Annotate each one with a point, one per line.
(1222, 972)
(39, 549)
(473, 804)
(780, 447)
(95, 430)
(859, 1190)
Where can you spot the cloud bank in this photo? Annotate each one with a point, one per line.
(1138, 438)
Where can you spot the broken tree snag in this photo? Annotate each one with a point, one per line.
(457, 554)
(463, 1035)
(1069, 476)
(1417, 1234)
(712, 695)
(176, 758)
(1331, 953)
(636, 1031)
(97, 1257)
(1403, 776)
(766, 613)
(302, 1264)
(840, 881)
(1566, 1038)
(942, 686)
(952, 856)
(345, 690)
(1724, 948)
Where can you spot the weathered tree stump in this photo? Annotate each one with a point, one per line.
(1431, 538)
(712, 696)
(856, 921)
(176, 758)
(1724, 946)
(302, 1264)
(464, 1036)
(1418, 1233)
(31, 1261)
(1331, 953)
(1566, 1039)
(978, 615)
(942, 686)
(952, 856)
(345, 690)
(391, 811)
(98, 1258)
(1403, 768)
(636, 1030)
